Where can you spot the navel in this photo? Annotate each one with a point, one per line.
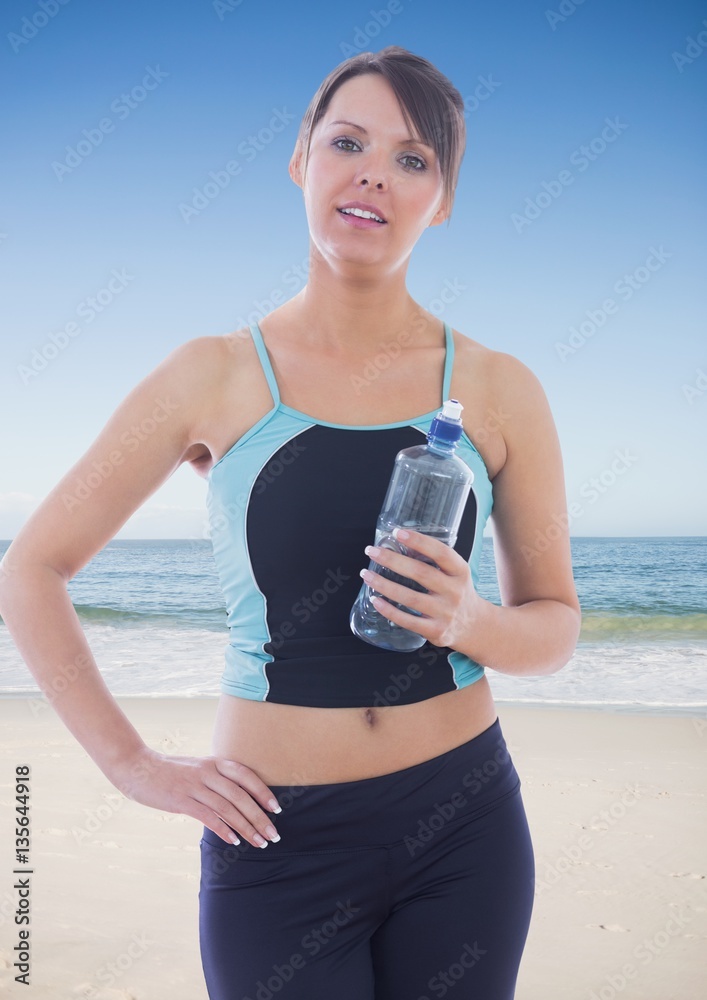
(370, 716)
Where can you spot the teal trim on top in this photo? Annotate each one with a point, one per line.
(275, 391)
(279, 406)
(359, 427)
(265, 362)
(448, 362)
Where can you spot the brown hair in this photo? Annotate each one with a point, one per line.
(425, 95)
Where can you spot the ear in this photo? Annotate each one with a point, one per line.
(440, 215)
(295, 167)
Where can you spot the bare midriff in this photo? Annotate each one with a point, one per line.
(303, 745)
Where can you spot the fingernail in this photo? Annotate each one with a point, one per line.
(233, 838)
(272, 833)
(400, 533)
(274, 806)
(260, 841)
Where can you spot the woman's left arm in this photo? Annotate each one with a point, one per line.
(535, 629)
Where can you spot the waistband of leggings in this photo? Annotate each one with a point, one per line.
(464, 782)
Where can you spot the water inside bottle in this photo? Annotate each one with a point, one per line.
(384, 539)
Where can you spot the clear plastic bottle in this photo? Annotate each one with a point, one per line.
(428, 491)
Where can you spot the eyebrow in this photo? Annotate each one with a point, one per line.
(360, 128)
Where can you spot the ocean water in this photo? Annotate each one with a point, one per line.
(155, 621)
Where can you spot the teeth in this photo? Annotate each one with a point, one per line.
(361, 213)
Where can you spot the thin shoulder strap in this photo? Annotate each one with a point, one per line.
(265, 361)
(448, 362)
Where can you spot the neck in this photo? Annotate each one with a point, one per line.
(358, 316)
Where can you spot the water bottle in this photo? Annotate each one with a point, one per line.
(428, 491)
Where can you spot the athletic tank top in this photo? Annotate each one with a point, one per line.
(291, 506)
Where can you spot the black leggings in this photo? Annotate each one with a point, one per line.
(407, 886)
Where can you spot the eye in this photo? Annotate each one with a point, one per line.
(343, 138)
(407, 156)
(411, 156)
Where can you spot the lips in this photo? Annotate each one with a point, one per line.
(364, 207)
(359, 221)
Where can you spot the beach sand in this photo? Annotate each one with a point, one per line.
(616, 807)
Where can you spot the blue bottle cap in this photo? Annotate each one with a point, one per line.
(447, 425)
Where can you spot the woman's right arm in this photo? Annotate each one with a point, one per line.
(146, 439)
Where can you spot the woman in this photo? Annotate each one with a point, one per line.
(402, 863)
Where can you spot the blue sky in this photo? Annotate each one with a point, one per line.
(609, 264)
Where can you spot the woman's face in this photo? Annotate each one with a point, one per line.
(380, 166)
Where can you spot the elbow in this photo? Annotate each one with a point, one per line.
(570, 636)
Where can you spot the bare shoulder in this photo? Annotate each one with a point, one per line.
(211, 360)
(475, 358)
(222, 358)
(470, 353)
(498, 390)
(197, 368)
(513, 380)
(218, 367)
(194, 358)
(506, 380)
(211, 353)
(231, 353)
(523, 401)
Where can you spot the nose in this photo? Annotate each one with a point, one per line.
(371, 173)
